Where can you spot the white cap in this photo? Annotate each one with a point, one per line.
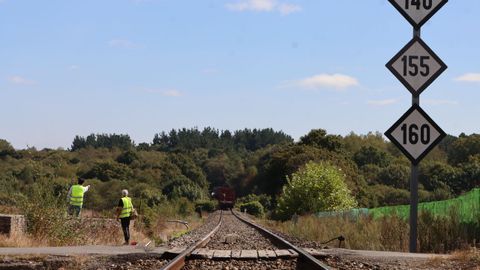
(124, 192)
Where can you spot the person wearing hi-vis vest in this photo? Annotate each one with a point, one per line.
(75, 198)
(124, 211)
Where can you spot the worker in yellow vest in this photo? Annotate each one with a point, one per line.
(75, 197)
(124, 212)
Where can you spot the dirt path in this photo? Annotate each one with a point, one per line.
(136, 257)
(81, 250)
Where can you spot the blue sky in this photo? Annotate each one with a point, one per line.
(140, 67)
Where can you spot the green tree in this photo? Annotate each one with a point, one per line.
(109, 170)
(371, 155)
(354, 142)
(468, 176)
(314, 188)
(6, 149)
(435, 175)
(463, 148)
(319, 138)
(396, 175)
(127, 157)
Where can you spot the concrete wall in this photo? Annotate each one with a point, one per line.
(12, 224)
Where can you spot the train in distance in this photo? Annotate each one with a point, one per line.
(225, 196)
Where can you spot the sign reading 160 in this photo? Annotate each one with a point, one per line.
(427, 4)
(412, 133)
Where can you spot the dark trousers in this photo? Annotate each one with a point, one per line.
(126, 228)
(74, 210)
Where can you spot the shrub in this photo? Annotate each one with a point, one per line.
(184, 207)
(264, 199)
(314, 188)
(109, 170)
(45, 214)
(206, 206)
(127, 157)
(253, 208)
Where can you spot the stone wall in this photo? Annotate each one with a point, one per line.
(12, 224)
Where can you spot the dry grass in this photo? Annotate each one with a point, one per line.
(464, 259)
(19, 241)
(362, 233)
(99, 231)
(436, 234)
(89, 232)
(467, 256)
(9, 210)
(163, 230)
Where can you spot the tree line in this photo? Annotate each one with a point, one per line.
(188, 163)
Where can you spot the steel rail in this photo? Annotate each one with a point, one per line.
(179, 261)
(304, 261)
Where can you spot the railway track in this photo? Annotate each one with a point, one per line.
(235, 242)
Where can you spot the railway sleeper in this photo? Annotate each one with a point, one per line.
(203, 253)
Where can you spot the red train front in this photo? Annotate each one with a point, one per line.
(225, 197)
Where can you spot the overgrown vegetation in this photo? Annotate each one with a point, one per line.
(253, 208)
(314, 188)
(174, 173)
(435, 234)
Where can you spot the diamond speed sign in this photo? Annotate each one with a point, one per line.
(418, 12)
(416, 66)
(415, 134)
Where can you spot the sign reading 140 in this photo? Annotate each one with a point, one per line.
(418, 12)
(426, 4)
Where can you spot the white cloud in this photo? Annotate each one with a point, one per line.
(122, 43)
(166, 92)
(172, 93)
(383, 102)
(337, 81)
(73, 67)
(20, 80)
(286, 9)
(263, 6)
(440, 102)
(469, 77)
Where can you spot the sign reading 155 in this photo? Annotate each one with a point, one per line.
(416, 64)
(426, 4)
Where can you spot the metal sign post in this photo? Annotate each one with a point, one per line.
(416, 66)
(413, 219)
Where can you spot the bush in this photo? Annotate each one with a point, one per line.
(316, 187)
(109, 170)
(264, 199)
(206, 206)
(45, 214)
(253, 208)
(184, 207)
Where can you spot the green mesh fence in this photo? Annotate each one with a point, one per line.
(350, 213)
(466, 206)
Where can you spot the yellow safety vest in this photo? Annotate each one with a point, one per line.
(76, 198)
(127, 207)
